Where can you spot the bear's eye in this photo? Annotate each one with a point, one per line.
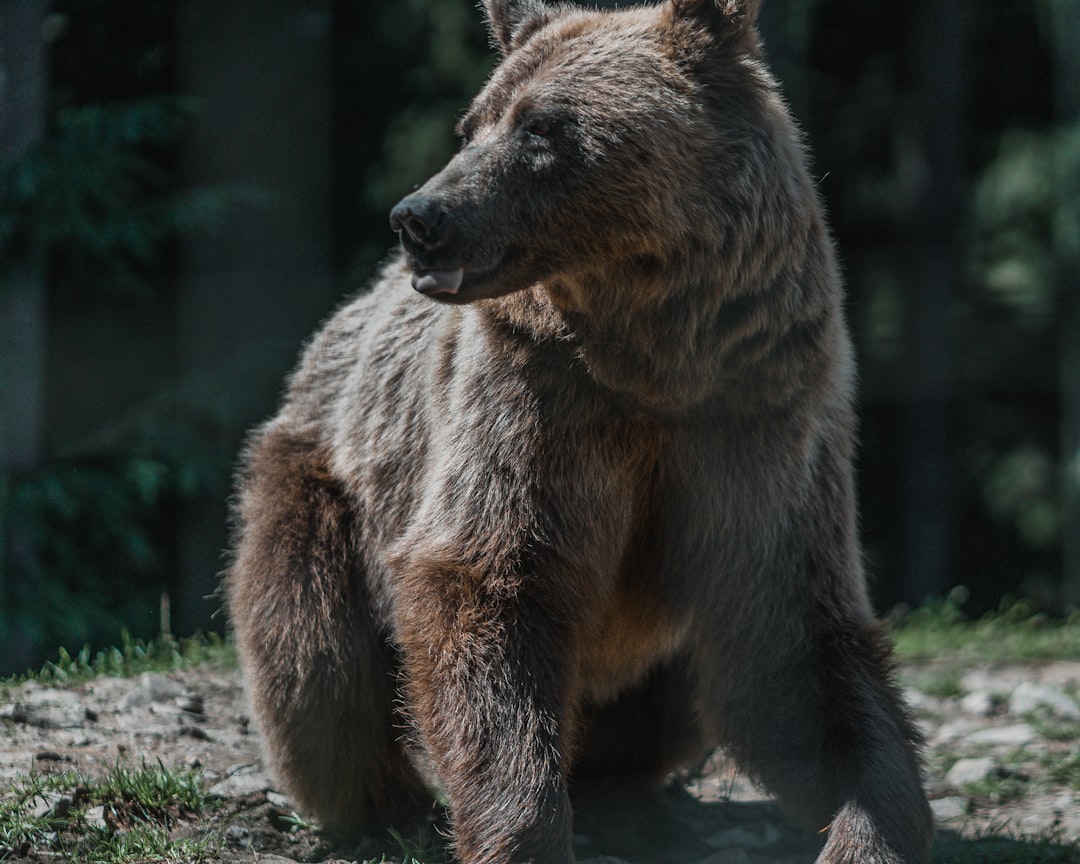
(539, 127)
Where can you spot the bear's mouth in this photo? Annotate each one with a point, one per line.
(457, 283)
(435, 283)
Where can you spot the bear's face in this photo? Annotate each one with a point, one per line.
(569, 153)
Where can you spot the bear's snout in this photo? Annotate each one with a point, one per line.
(421, 220)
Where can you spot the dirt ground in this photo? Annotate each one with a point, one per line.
(995, 763)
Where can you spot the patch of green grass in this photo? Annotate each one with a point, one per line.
(1064, 769)
(151, 792)
(1014, 633)
(24, 823)
(1057, 730)
(147, 843)
(420, 849)
(134, 811)
(999, 787)
(940, 683)
(164, 653)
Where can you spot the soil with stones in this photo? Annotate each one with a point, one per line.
(1001, 759)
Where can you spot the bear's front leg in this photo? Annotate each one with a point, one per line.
(796, 678)
(486, 658)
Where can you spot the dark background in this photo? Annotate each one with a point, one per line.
(187, 188)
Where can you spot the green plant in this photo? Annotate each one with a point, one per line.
(1057, 730)
(419, 849)
(942, 683)
(22, 823)
(1013, 633)
(1065, 770)
(999, 787)
(138, 808)
(134, 656)
(95, 524)
(96, 196)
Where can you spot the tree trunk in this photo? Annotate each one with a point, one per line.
(22, 304)
(252, 292)
(1067, 38)
(937, 177)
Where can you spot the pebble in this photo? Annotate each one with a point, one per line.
(245, 781)
(46, 709)
(981, 703)
(955, 729)
(95, 817)
(1004, 736)
(1028, 698)
(52, 805)
(279, 800)
(951, 807)
(154, 689)
(918, 701)
(990, 680)
(967, 771)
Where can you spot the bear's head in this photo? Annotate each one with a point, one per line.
(606, 145)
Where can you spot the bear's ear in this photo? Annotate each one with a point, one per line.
(732, 16)
(511, 20)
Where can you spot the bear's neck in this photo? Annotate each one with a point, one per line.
(746, 334)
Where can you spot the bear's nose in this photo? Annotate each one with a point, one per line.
(421, 218)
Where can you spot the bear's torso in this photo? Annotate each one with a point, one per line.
(440, 422)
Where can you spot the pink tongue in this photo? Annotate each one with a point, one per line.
(438, 281)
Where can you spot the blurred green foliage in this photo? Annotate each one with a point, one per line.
(96, 528)
(96, 197)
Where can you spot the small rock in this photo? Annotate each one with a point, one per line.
(985, 679)
(153, 688)
(955, 730)
(54, 698)
(967, 771)
(1029, 698)
(749, 836)
(279, 800)
(52, 805)
(95, 817)
(952, 807)
(981, 703)
(918, 701)
(245, 781)
(45, 716)
(1005, 736)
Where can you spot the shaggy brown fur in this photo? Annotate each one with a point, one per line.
(611, 469)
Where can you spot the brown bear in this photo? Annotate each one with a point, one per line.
(599, 459)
